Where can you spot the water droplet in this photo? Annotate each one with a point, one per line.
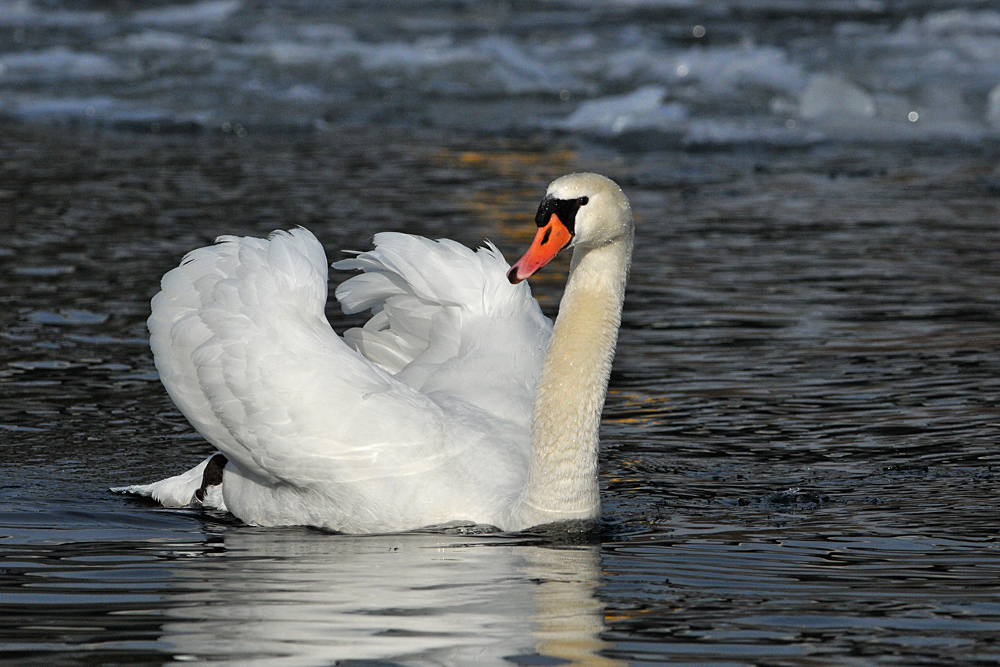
(698, 31)
(913, 116)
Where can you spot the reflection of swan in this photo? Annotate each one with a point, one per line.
(293, 597)
(566, 617)
(434, 415)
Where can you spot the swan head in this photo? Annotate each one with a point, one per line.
(579, 210)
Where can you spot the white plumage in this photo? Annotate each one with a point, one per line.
(421, 417)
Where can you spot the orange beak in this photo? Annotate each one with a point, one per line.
(549, 240)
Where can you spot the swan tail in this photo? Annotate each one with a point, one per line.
(198, 487)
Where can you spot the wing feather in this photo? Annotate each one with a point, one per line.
(447, 322)
(434, 390)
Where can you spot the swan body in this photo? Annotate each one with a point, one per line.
(458, 401)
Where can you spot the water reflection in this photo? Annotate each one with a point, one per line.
(300, 597)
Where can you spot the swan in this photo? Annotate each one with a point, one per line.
(458, 401)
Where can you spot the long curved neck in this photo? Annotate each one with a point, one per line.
(562, 477)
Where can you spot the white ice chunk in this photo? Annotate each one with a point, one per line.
(207, 11)
(57, 63)
(955, 21)
(993, 107)
(158, 40)
(21, 13)
(641, 109)
(830, 96)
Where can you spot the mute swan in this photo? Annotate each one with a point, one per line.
(457, 401)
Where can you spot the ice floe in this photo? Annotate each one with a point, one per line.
(693, 69)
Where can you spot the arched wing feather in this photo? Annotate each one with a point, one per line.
(244, 349)
(446, 321)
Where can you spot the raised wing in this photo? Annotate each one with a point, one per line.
(448, 323)
(244, 349)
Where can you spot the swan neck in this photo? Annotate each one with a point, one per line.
(562, 476)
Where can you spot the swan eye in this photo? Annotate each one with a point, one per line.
(564, 209)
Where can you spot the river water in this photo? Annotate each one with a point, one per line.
(799, 451)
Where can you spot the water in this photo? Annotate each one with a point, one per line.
(799, 461)
(696, 72)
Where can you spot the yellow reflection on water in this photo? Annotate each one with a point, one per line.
(517, 174)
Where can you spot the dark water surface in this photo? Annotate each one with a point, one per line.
(800, 461)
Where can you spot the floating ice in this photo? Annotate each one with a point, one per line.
(55, 64)
(67, 316)
(520, 72)
(317, 64)
(53, 365)
(993, 107)
(639, 110)
(159, 40)
(207, 11)
(758, 67)
(44, 271)
(962, 21)
(826, 95)
(95, 109)
(718, 71)
(62, 108)
(22, 14)
(727, 133)
(304, 93)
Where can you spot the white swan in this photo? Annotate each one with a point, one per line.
(457, 401)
